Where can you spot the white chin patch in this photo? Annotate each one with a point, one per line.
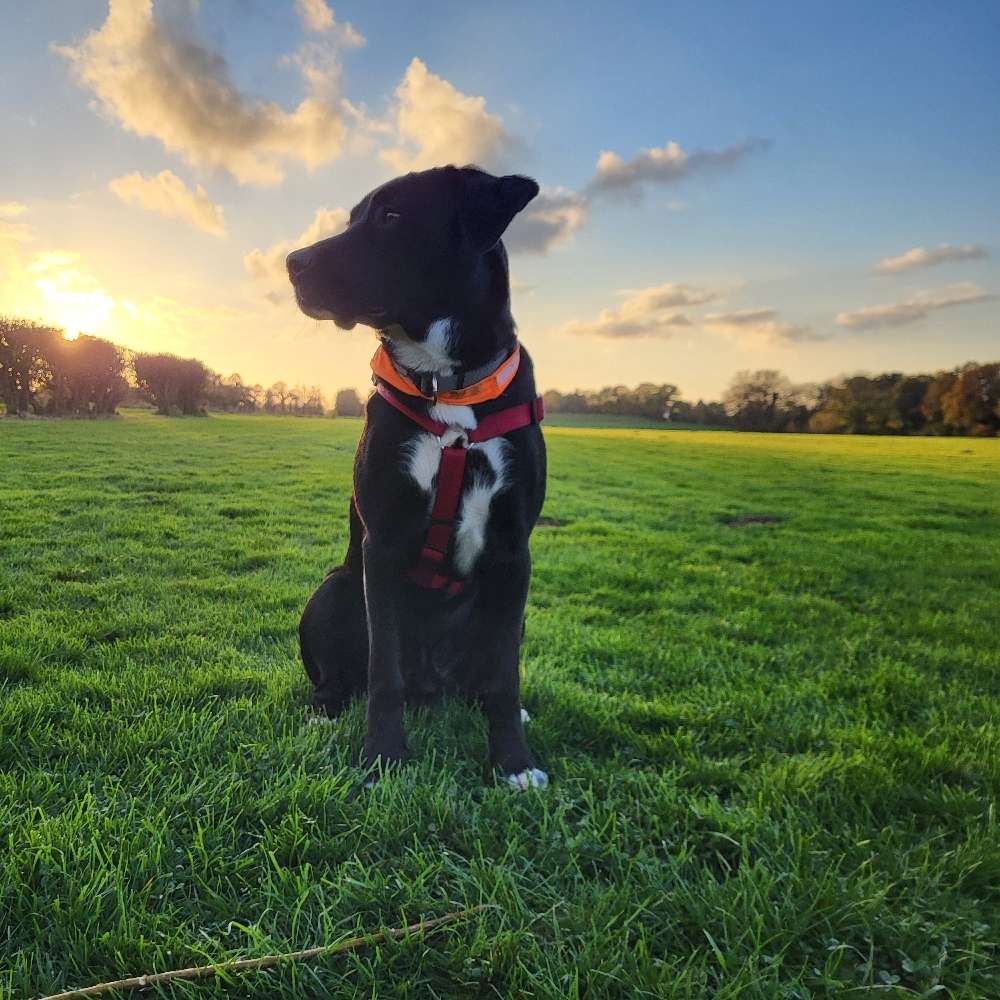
(532, 778)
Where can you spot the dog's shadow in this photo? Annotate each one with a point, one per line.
(450, 735)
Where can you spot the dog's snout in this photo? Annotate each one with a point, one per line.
(297, 262)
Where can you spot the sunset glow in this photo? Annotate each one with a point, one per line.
(67, 298)
(697, 214)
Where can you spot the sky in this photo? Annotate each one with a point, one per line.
(800, 185)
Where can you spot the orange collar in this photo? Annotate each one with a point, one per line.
(479, 392)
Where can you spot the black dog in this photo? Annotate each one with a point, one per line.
(430, 599)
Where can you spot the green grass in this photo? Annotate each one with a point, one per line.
(774, 748)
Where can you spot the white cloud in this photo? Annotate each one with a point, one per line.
(549, 220)
(916, 308)
(317, 16)
(759, 327)
(168, 195)
(647, 312)
(667, 296)
(161, 84)
(920, 257)
(314, 14)
(11, 209)
(268, 266)
(436, 124)
(663, 165)
(558, 213)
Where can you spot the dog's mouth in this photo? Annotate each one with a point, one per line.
(371, 316)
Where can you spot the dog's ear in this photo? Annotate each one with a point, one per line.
(490, 203)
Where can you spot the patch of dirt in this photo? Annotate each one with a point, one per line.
(237, 512)
(742, 520)
(72, 574)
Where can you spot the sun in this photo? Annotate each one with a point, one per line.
(69, 298)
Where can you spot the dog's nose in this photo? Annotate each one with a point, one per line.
(297, 262)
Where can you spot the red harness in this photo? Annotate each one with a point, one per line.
(430, 570)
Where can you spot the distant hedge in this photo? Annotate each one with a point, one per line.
(965, 400)
(42, 372)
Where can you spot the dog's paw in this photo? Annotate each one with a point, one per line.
(533, 777)
(380, 764)
(524, 716)
(374, 775)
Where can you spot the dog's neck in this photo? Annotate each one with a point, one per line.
(451, 346)
(467, 339)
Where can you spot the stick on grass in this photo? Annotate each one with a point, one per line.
(268, 961)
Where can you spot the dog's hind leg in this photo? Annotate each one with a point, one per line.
(333, 640)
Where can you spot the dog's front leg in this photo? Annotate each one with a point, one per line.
(503, 596)
(385, 742)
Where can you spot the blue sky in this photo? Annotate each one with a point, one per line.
(842, 134)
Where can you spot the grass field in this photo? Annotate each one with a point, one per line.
(774, 747)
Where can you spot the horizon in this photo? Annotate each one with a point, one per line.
(824, 214)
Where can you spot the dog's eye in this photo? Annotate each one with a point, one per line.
(388, 217)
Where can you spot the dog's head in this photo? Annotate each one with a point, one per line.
(417, 249)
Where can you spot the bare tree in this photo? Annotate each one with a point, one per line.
(757, 401)
(348, 404)
(85, 376)
(172, 383)
(279, 397)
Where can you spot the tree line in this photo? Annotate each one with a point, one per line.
(43, 373)
(963, 401)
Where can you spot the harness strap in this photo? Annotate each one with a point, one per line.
(511, 419)
(430, 569)
(495, 425)
(421, 419)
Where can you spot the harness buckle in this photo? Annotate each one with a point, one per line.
(427, 383)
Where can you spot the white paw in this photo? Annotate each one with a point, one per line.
(532, 778)
(524, 715)
(318, 719)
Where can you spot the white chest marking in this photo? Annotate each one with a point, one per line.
(454, 416)
(432, 354)
(423, 460)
